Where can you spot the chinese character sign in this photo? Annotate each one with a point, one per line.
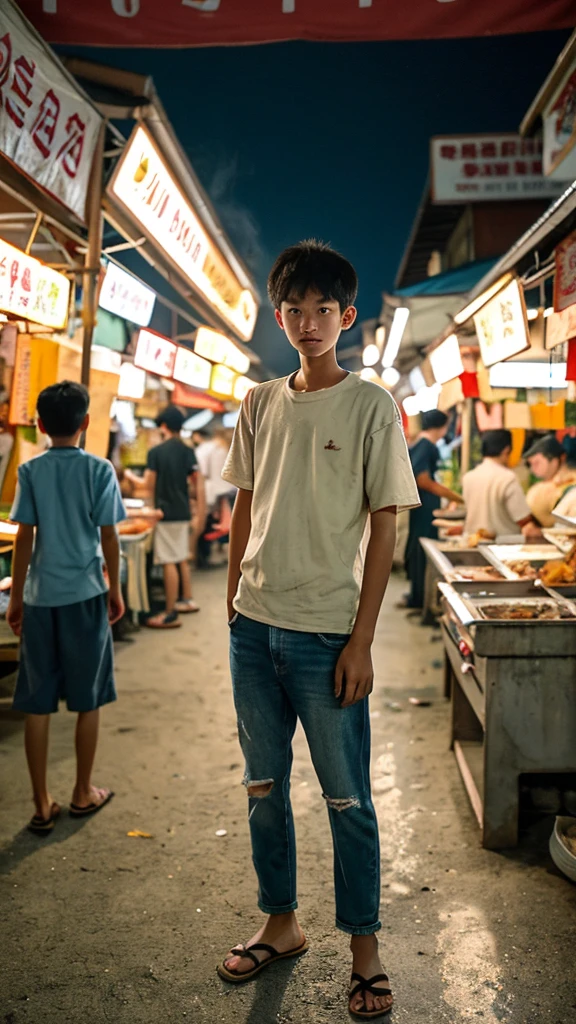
(218, 22)
(559, 123)
(565, 279)
(126, 297)
(147, 191)
(30, 290)
(46, 127)
(155, 354)
(476, 168)
(501, 325)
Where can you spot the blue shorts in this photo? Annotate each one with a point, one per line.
(66, 654)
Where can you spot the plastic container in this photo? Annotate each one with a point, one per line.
(563, 859)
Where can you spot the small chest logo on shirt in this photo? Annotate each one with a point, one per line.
(331, 447)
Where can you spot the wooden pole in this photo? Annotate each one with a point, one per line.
(92, 260)
(466, 436)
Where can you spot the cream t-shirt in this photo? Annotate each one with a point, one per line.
(317, 463)
(494, 499)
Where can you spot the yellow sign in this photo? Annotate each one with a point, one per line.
(192, 370)
(242, 386)
(222, 382)
(145, 187)
(502, 326)
(30, 290)
(219, 349)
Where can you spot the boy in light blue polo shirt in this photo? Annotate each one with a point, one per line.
(67, 506)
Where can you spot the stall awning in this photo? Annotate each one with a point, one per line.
(451, 282)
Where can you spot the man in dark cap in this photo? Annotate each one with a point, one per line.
(547, 461)
(170, 469)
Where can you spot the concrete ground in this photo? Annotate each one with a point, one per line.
(98, 926)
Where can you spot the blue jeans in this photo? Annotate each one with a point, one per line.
(279, 676)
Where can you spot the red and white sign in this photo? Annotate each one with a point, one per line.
(47, 128)
(480, 168)
(126, 297)
(30, 290)
(155, 354)
(565, 279)
(216, 22)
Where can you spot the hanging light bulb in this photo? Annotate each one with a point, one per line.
(390, 377)
(370, 355)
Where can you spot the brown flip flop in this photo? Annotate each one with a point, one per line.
(41, 826)
(239, 976)
(83, 812)
(368, 985)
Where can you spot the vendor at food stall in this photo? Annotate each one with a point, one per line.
(555, 466)
(495, 502)
(424, 456)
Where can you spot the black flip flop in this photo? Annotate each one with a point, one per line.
(83, 812)
(368, 986)
(239, 976)
(41, 826)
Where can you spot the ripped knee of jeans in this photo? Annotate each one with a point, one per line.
(259, 788)
(343, 803)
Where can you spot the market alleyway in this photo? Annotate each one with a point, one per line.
(130, 929)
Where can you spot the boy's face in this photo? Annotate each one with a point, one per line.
(313, 324)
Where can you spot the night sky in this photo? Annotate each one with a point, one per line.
(296, 140)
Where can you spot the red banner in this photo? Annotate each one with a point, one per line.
(182, 23)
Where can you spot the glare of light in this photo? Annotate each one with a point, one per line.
(390, 377)
(548, 311)
(132, 382)
(380, 336)
(411, 405)
(168, 384)
(199, 420)
(370, 355)
(395, 337)
(476, 304)
(528, 375)
(428, 397)
(532, 314)
(416, 378)
(368, 374)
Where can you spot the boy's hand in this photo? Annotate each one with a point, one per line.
(231, 610)
(14, 616)
(116, 606)
(354, 673)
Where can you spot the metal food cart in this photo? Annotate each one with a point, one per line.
(513, 685)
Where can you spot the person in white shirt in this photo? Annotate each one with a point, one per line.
(494, 499)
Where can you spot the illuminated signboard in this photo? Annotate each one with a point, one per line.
(126, 297)
(147, 190)
(446, 361)
(222, 382)
(242, 386)
(192, 370)
(132, 382)
(219, 349)
(30, 290)
(501, 325)
(155, 354)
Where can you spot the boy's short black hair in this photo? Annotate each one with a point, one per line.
(312, 265)
(62, 408)
(434, 420)
(494, 442)
(171, 418)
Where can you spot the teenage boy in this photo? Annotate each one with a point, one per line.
(171, 466)
(313, 456)
(67, 506)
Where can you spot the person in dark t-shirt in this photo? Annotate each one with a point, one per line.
(170, 467)
(424, 458)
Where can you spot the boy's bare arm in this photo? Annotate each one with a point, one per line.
(239, 536)
(199, 521)
(354, 672)
(111, 550)
(20, 561)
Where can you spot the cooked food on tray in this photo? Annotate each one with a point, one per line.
(560, 572)
(524, 569)
(476, 573)
(517, 611)
(479, 537)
